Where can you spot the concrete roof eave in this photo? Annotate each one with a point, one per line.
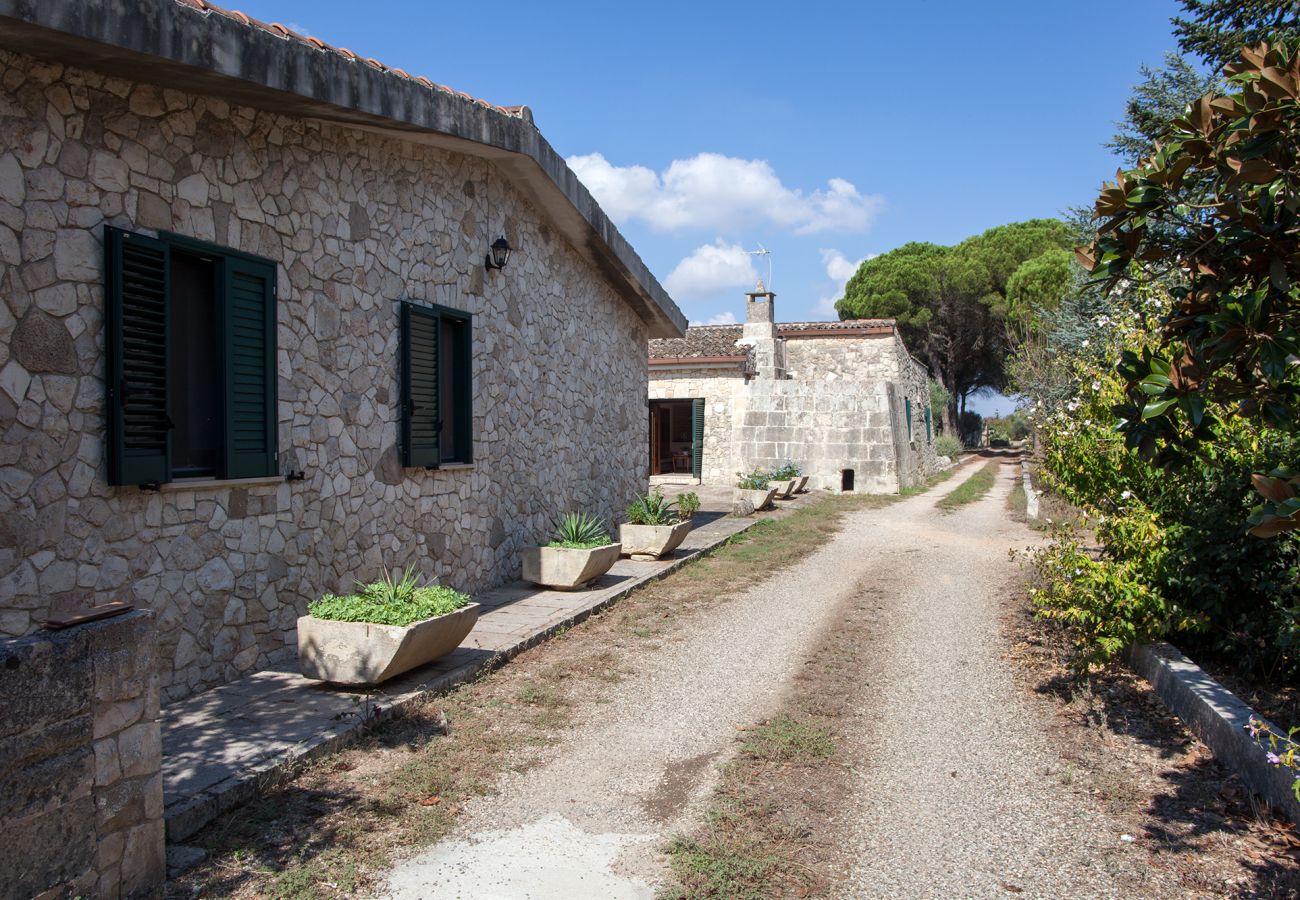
(178, 46)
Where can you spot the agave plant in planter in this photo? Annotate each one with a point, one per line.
(579, 552)
(755, 489)
(385, 628)
(656, 526)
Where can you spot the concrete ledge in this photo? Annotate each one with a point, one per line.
(1216, 716)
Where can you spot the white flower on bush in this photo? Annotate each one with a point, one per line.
(1126, 494)
(1096, 385)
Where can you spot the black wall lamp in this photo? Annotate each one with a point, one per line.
(498, 254)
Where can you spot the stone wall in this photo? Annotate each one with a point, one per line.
(719, 387)
(81, 797)
(823, 427)
(356, 221)
(825, 358)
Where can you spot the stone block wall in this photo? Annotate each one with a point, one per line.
(81, 798)
(825, 358)
(356, 221)
(719, 388)
(825, 427)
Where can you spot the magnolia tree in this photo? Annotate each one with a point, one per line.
(1215, 212)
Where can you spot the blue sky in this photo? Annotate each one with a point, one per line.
(823, 132)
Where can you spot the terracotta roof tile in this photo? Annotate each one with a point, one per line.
(719, 341)
(701, 341)
(280, 31)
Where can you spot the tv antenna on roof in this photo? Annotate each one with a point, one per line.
(763, 251)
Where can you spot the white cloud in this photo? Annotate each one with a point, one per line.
(722, 318)
(712, 269)
(713, 191)
(839, 269)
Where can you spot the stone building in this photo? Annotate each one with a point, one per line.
(843, 400)
(250, 347)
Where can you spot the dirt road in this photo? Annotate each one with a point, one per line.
(955, 792)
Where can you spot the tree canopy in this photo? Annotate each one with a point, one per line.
(954, 306)
(1218, 209)
(1217, 30)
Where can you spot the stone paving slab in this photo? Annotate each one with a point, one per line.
(222, 746)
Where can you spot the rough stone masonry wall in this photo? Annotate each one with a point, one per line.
(356, 221)
(719, 388)
(81, 797)
(862, 359)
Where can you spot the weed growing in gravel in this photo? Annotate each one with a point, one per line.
(786, 739)
(973, 488)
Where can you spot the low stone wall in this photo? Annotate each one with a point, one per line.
(80, 755)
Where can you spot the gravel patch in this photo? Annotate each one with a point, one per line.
(958, 792)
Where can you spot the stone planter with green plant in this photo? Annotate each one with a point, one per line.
(656, 526)
(753, 490)
(580, 552)
(386, 628)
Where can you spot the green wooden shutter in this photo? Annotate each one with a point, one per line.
(908, 402)
(419, 375)
(929, 435)
(697, 436)
(465, 392)
(139, 429)
(248, 322)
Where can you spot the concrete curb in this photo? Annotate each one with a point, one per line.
(1216, 716)
(184, 818)
(1031, 496)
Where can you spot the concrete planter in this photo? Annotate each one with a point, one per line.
(363, 653)
(562, 569)
(802, 485)
(784, 488)
(758, 499)
(652, 541)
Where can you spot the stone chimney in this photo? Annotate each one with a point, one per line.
(760, 333)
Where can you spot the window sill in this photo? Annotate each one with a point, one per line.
(206, 484)
(454, 467)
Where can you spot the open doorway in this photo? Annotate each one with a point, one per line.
(676, 436)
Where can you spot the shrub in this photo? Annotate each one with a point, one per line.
(579, 531)
(947, 445)
(653, 509)
(755, 481)
(688, 504)
(390, 601)
(785, 472)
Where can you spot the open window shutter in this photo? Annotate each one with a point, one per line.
(419, 370)
(929, 435)
(908, 402)
(465, 392)
(697, 436)
(139, 435)
(248, 323)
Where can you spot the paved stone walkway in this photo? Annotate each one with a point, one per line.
(218, 746)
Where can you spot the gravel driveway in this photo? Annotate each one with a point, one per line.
(958, 797)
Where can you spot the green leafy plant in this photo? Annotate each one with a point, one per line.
(947, 445)
(688, 504)
(755, 481)
(653, 509)
(1282, 750)
(579, 531)
(785, 472)
(390, 600)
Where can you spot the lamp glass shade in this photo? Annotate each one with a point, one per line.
(500, 253)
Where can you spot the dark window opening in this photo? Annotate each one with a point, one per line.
(451, 363)
(846, 480)
(194, 367)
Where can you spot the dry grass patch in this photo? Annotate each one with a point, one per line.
(333, 825)
(1122, 749)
